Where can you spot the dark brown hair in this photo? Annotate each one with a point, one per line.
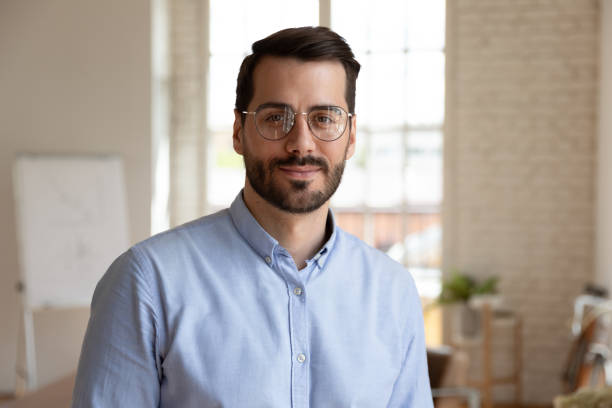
(303, 43)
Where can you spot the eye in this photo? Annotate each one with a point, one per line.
(272, 118)
(275, 117)
(324, 118)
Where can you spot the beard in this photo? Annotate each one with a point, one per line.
(296, 199)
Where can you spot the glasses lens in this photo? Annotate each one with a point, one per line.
(328, 123)
(274, 123)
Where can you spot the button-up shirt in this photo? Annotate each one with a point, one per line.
(215, 313)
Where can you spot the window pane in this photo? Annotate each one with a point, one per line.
(362, 101)
(222, 85)
(424, 88)
(350, 20)
(385, 90)
(385, 170)
(351, 222)
(421, 246)
(225, 37)
(387, 25)
(225, 170)
(352, 190)
(236, 24)
(423, 168)
(425, 22)
(419, 250)
(265, 17)
(387, 230)
(390, 25)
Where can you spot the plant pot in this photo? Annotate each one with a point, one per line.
(465, 321)
(469, 320)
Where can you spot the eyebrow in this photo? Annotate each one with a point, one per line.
(272, 105)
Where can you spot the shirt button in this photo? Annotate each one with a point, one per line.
(297, 291)
(268, 260)
(301, 358)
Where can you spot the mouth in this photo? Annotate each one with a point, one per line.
(300, 172)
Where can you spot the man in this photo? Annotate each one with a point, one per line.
(267, 303)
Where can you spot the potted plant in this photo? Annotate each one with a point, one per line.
(458, 289)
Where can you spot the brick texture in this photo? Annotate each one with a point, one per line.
(520, 157)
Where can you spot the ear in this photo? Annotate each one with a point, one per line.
(237, 132)
(350, 149)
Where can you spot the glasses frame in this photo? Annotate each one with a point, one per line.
(294, 114)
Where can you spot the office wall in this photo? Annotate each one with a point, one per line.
(520, 155)
(74, 78)
(604, 152)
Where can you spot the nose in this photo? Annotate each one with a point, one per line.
(300, 140)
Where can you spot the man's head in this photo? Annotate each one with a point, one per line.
(296, 164)
(305, 44)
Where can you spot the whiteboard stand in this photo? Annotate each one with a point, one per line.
(71, 224)
(26, 352)
(26, 365)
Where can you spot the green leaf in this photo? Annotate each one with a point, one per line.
(460, 287)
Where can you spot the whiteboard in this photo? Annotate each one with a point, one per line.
(71, 224)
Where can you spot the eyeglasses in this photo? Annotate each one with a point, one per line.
(275, 121)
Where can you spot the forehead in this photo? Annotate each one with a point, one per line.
(300, 84)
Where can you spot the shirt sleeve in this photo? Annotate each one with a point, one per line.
(119, 366)
(412, 387)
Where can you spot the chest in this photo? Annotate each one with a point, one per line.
(278, 342)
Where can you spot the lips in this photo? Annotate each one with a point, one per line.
(299, 171)
(301, 168)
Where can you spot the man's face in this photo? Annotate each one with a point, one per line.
(298, 173)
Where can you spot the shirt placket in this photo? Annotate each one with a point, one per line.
(298, 326)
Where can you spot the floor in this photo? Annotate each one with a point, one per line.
(56, 395)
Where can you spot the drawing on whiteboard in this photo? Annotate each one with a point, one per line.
(72, 223)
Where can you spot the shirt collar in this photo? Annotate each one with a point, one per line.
(263, 243)
(321, 257)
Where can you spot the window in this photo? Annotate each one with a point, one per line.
(392, 188)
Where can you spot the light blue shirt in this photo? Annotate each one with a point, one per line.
(215, 313)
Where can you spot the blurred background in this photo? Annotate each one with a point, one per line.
(484, 143)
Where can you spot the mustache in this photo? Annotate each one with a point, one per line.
(300, 161)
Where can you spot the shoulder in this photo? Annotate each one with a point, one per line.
(199, 229)
(350, 245)
(374, 276)
(186, 239)
(170, 250)
(373, 265)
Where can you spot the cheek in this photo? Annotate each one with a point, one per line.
(256, 156)
(337, 154)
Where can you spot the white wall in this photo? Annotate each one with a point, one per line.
(604, 156)
(520, 155)
(74, 78)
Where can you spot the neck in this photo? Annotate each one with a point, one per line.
(300, 234)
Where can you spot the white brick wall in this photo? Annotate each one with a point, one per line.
(519, 162)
